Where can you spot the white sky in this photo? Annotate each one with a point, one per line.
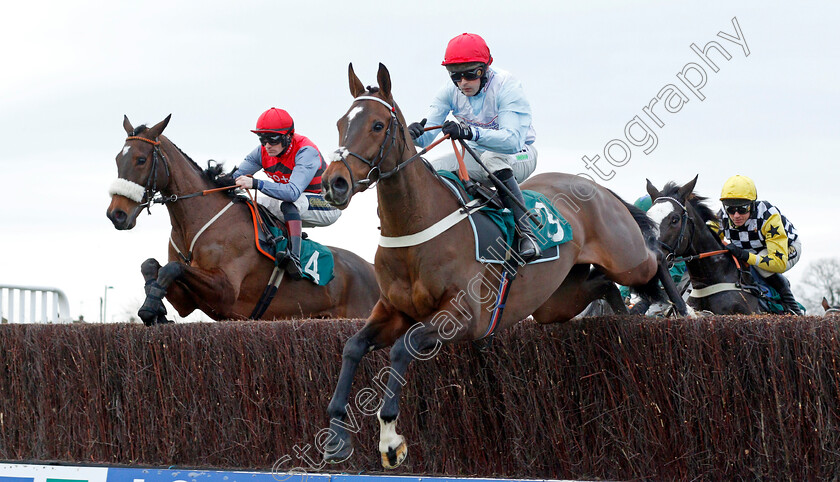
(70, 70)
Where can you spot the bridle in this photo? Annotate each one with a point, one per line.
(394, 127)
(672, 250)
(150, 189)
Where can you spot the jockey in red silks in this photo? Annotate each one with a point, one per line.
(494, 117)
(294, 165)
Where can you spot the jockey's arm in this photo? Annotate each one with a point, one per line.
(307, 161)
(438, 111)
(776, 240)
(250, 164)
(509, 138)
(514, 119)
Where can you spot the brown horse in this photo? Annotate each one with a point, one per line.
(434, 291)
(213, 263)
(830, 310)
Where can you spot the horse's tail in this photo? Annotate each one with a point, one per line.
(651, 289)
(643, 221)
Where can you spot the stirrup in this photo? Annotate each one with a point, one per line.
(529, 254)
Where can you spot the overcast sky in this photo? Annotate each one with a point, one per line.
(71, 70)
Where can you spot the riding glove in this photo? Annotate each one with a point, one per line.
(741, 255)
(459, 131)
(416, 129)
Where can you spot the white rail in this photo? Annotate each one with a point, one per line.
(54, 307)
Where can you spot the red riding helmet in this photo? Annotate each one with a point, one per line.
(467, 47)
(275, 121)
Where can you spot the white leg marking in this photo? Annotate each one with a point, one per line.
(388, 437)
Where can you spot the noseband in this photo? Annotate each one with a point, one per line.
(672, 251)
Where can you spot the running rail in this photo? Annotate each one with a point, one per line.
(52, 298)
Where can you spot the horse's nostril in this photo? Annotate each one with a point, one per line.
(118, 216)
(339, 186)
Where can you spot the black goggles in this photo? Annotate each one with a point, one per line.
(738, 209)
(473, 74)
(272, 139)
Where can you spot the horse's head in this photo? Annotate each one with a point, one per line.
(670, 216)
(830, 310)
(141, 172)
(371, 139)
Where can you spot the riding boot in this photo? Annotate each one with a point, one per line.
(782, 286)
(528, 247)
(292, 265)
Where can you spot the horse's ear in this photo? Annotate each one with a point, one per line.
(127, 125)
(688, 188)
(825, 304)
(654, 193)
(356, 86)
(384, 79)
(158, 128)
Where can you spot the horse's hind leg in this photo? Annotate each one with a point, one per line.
(602, 287)
(383, 327)
(579, 289)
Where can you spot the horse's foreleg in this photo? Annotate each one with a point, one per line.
(157, 280)
(671, 289)
(381, 329)
(416, 343)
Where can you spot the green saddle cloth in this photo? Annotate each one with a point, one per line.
(555, 229)
(315, 259)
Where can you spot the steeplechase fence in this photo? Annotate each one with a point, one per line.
(717, 398)
(33, 304)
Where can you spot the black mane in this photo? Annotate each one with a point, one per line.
(213, 173)
(697, 202)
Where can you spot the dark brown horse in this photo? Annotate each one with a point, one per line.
(681, 216)
(213, 263)
(434, 291)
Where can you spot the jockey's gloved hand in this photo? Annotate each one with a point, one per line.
(741, 255)
(458, 131)
(416, 129)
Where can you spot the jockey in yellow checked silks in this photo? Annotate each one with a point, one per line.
(760, 236)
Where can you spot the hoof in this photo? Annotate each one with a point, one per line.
(333, 456)
(392, 458)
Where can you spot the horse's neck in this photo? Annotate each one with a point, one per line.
(412, 200)
(189, 215)
(711, 270)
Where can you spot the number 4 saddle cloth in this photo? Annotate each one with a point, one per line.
(494, 229)
(316, 260)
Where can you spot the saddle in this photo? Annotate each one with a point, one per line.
(271, 240)
(494, 228)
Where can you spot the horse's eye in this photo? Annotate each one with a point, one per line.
(378, 126)
(141, 161)
(675, 219)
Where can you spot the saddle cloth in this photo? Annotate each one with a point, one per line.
(316, 260)
(494, 229)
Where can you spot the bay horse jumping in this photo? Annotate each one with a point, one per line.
(681, 216)
(213, 263)
(433, 291)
